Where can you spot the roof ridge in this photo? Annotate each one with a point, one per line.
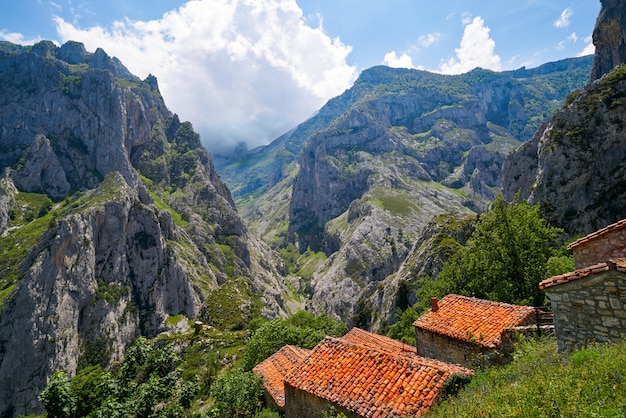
(618, 264)
(611, 227)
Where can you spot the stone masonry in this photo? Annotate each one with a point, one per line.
(589, 309)
(605, 244)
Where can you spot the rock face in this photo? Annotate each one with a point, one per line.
(573, 165)
(411, 145)
(139, 228)
(609, 38)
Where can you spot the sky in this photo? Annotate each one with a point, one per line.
(250, 70)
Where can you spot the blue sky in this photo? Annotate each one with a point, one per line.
(248, 70)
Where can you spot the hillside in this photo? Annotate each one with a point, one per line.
(377, 163)
(113, 221)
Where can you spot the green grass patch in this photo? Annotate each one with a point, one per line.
(13, 250)
(542, 383)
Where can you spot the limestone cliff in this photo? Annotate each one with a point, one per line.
(112, 220)
(609, 38)
(573, 165)
(411, 145)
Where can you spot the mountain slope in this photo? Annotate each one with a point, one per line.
(113, 221)
(403, 147)
(573, 165)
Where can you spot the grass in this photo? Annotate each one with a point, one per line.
(543, 383)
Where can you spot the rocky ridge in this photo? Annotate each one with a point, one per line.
(113, 221)
(573, 166)
(402, 147)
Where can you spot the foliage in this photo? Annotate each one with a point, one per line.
(403, 330)
(146, 384)
(58, 397)
(237, 394)
(542, 383)
(302, 329)
(505, 258)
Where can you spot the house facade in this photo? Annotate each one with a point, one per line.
(470, 331)
(589, 304)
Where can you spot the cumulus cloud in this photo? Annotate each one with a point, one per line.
(428, 39)
(564, 20)
(589, 48)
(17, 38)
(238, 70)
(393, 60)
(477, 49)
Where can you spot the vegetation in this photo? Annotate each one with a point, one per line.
(302, 329)
(504, 259)
(542, 383)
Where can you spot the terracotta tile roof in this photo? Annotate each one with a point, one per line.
(274, 369)
(473, 320)
(619, 264)
(359, 336)
(371, 382)
(613, 227)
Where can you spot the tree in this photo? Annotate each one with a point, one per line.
(302, 329)
(505, 258)
(57, 397)
(237, 394)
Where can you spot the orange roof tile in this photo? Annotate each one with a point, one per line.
(274, 369)
(359, 336)
(371, 382)
(619, 264)
(473, 320)
(613, 227)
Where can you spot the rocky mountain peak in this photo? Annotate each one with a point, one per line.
(112, 220)
(609, 38)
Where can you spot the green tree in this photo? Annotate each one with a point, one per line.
(237, 394)
(505, 258)
(403, 330)
(302, 329)
(58, 397)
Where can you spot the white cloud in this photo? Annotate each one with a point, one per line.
(393, 60)
(238, 70)
(17, 38)
(589, 47)
(428, 39)
(477, 49)
(564, 20)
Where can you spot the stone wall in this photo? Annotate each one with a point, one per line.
(589, 309)
(301, 404)
(452, 350)
(608, 246)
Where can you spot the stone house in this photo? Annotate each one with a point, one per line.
(361, 375)
(589, 304)
(470, 331)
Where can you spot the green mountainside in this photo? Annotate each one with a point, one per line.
(348, 192)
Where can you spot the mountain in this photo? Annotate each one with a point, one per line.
(113, 221)
(353, 187)
(573, 166)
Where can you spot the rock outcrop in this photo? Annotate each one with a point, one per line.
(112, 219)
(609, 38)
(573, 166)
(409, 148)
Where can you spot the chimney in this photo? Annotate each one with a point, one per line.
(434, 305)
